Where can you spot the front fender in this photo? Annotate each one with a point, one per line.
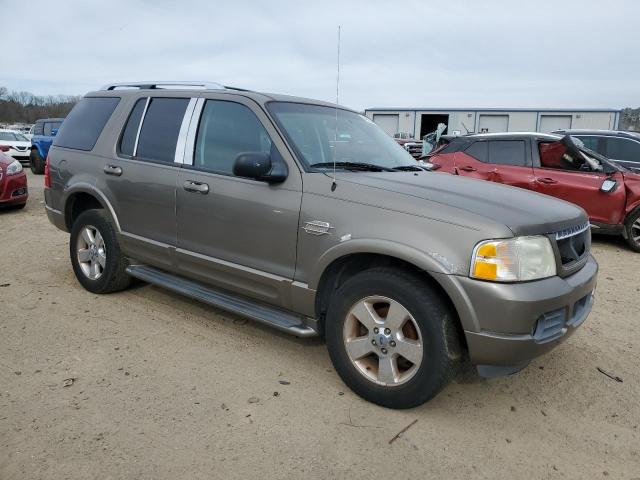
(429, 261)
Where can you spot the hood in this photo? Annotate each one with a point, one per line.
(522, 211)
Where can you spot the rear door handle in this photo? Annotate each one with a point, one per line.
(467, 168)
(196, 187)
(112, 170)
(546, 180)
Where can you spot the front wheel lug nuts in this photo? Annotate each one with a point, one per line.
(387, 331)
(373, 342)
(392, 343)
(375, 330)
(384, 350)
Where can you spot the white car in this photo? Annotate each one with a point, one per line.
(15, 144)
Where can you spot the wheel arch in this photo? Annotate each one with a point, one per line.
(343, 267)
(84, 197)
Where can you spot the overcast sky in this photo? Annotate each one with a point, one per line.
(394, 53)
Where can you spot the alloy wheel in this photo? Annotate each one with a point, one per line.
(383, 341)
(92, 256)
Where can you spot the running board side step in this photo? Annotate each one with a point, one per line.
(260, 312)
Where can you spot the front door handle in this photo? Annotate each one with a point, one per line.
(112, 170)
(546, 180)
(196, 187)
(467, 168)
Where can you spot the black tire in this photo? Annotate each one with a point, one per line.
(632, 229)
(114, 276)
(438, 328)
(36, 163)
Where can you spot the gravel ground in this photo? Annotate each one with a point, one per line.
(147, 384)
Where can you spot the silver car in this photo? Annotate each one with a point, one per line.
(305, 216)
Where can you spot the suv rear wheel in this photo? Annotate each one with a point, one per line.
(35, 162)
(632, 226)
(389, 345)
(95, 254)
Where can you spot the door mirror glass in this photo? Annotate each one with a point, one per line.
(54, 132)
(608, 186)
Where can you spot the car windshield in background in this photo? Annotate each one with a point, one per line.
(356, 144)
(12, 137)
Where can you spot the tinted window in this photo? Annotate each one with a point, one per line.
(128, 140)
(478, 150)
(508, 152)
(160, 129)
(227, 129)
(48, 126)
(84, 124)
(592, 143)
(623, 149)
(38, 129)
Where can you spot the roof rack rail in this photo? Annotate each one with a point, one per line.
(151, 85)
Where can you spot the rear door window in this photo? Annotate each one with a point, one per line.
(623, 149)
(84, 124)
(128, 139)
(508, 152)
(479, 151)
(160, 129)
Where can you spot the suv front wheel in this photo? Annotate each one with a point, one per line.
(392, 338)
(95, 254)
(35, 162)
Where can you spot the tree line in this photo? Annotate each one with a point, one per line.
(25, 107)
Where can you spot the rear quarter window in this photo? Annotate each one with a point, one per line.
(83, 126)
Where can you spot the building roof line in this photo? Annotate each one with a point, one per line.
(493, 109)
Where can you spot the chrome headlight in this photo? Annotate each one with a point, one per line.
(14, 167)
(513, 260)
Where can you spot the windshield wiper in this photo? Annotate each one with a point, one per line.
(364, 167)
(408, 168)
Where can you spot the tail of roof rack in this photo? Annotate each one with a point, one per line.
(166, 84)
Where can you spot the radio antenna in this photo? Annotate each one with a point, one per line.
(335, 134)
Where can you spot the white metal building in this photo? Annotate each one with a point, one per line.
(460, 121)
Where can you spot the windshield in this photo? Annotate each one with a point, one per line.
(13, 137)
(311, 130)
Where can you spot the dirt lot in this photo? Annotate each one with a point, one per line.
(165, 387)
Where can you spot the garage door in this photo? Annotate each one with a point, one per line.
(549, 123)
(493, 123)
(387, 122)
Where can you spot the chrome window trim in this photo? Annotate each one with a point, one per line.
(184, 129)
(190, 143)
(144, 113)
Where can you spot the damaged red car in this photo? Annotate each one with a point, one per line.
(13, 183)
(558, 166)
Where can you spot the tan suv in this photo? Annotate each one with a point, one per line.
(305, 216)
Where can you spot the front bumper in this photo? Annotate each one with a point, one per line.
(519, 322)
(13, 189)
(22, 157)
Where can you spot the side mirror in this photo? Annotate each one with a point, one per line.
(608, 186)
(259, 166)
(54, 132)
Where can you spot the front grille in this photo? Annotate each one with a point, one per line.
(573, 245)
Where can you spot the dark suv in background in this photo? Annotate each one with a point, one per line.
(44, 131)
(307, 217)
(618, 146)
